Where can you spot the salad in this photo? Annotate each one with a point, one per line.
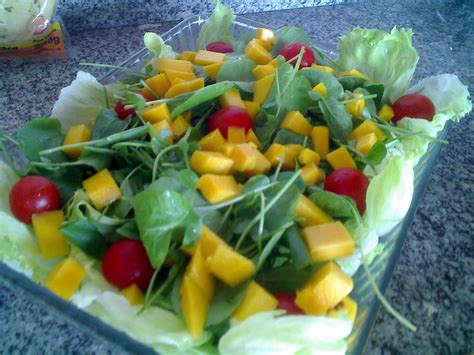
(220, 200)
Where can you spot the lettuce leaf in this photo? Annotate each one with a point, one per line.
(268, 333)
(216, 27)
(386, 58)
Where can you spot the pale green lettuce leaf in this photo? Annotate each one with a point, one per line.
(217, 26)
(7, 180)
(415, 146)
(271, 333)
(157, 47)
(386, 58)
(389, 195)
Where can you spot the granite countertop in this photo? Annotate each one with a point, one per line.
(433, 284)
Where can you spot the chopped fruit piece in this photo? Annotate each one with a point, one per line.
(385, 113)
(177, 81)
(198, 271)
(262, 165)
(209, 241)
(65, 278)
(174, 64)
(340, 158)
(309, 214)
(256, 300)
(207, 57)
(307, 156)
(231, 98)
(212, 70)
(184, 75)
(252, 108)
(347, 305)
(244, 157)
(228, 117)
(187, 116)
(295, 122)
(218, 188)
(51, 241)
(76, 134)
(356, 107)
(256, 52)
(328, 241)
(276, 153)
(367, 127)
(353, 72)
(266, 35)
(184, 87)
(188, 55)
(311, 174)
(261, 71)
(293, 49)
(220, 47)
(158, 127)
(365, 142)
(194, 305)
(133, 294)
(262, 88)
(179, 126)
(251, 137)
(323, 67)
(213, 141)
(210, 163)
(236, 135)
(227, 148)
(275, 62)
(320, 138)
(102, 189)
(321, 90)
(229, 266)
(324, 290)
(156, 113)
(159, 84)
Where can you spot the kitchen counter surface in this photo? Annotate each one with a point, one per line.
(433, 284)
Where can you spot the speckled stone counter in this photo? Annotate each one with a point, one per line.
(433, 283)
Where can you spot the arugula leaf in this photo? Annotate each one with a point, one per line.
(351, 82)
(337, 118)
(40, 134)
(370, 106)
(377, 89)
(316, 76)
(67, 180)
(95, 158)
(85, 235)
(238, 70)
(286, 35)
(376, 154)
(255, 182)
(217, 26)
(283, 211)
(337, 206)
(298, 249)
(286, 278)
(107, 123)
(225, 301)
(285, 136)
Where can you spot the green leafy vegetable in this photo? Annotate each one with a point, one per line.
(376, 154)
(85, 235)
(238, 70)
(40, 134)
(225, 301)
(289, 34)
(107, 124)
(285, 136)
(335, 205)
(337, 118)
(217, 26)
(298, 249)
(316, 76)
(157, 47)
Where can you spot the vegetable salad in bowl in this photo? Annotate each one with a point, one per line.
(220, 199)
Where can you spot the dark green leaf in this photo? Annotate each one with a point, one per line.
(129, 230)
(188, 178)
(96, 160)
(376, 154)
(255, 182)
(287, 137)
(377, 89)
(287, 175)
(337, 206)
(286, 278)
(283, 211)
(351, 82)
(337, 118)
(299, 252)
(239, 71)
(316, 76)
(67, 180)
(369, 103)
(224, 302)
(107, 123)
(85, 235)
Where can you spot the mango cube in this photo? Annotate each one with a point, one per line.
(309, 214)
(212, 70)
(51, 241)
(288, 153)
(102, 189)
(256, 300)
(227, 148)
(213, 141)
(204, 57)
(261, 71)
(156, 113)
(262, 88)
(195, 305)
(199, 273)
(179, 126)
(353, 72)
(251, 137)
(184, 87)
(295, 122)
(236, 135)
(347, 305)
(177, 81)
(174, 64)
(76, 134)
(210, 163)
(385, 112)
(367, 127)
(244, 157)
(188, 55)
(209, 241)
(307, 156)
(184, 75)
(323, 67)
(229, 266)
(340, 158)
(311, 174)
(266, 35)
(252, 108)
(365, 142)
(320, 89)
(355, 107)
(65, 278)
(324, 290)
(159, 84)
(262, 165)
(320, 138)
(328, 241)
(218, 188)
(133, 294)
(231, 98)
(160, 126)
(256, 52)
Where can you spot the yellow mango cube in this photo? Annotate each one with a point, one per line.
(179, 126)
(367, 127)
(308, 214)
(184, 87)
(311, 174)
(323, 67)
(213, 69)
(156, 113)
(353, 72)
(256, 52)
(231, 98)
(218, 188)
(65, 278)
(355, 107)
(264, 34)
(236, 135)
(320, 89)
(200, 274)
(204, 162)
(307, 156)
(194, 305)
(340, 158)
(133, 294)
(159, 84)
(244, 157)
(175, 74)
(252, 108)
(51, 241)
(204, 57)
(251, 137)
(347, 305)
(76, 134)
(262, 165)
(159, 126)
(262, 88)
(176, 81)
(365, 142)
(102, 189)
(213, 141)
(295, 122)
(385, 112)
(320, 138)
(256, 300)
(174, 64)
(188, 55)
(209, 241)
(275, 153)
(261, 71)
(229, 266)
(328, 241)
(227, 148)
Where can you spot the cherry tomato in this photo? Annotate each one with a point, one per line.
(33, 194)
(286, 301)
(349, 182)
(122, 112)
(291, 50)
(220, 47)
(230, 117)
(414, 106)
(126, 262)
(147, 97)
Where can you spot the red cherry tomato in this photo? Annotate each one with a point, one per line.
(33, 194)
(125, 263)
(291, 50)
(147, 97)
(414, 106)
(349, 182)
(286, 301)
(230, 117)
(123, 113)
(220, 47)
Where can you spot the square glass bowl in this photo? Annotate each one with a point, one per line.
(183, 37)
